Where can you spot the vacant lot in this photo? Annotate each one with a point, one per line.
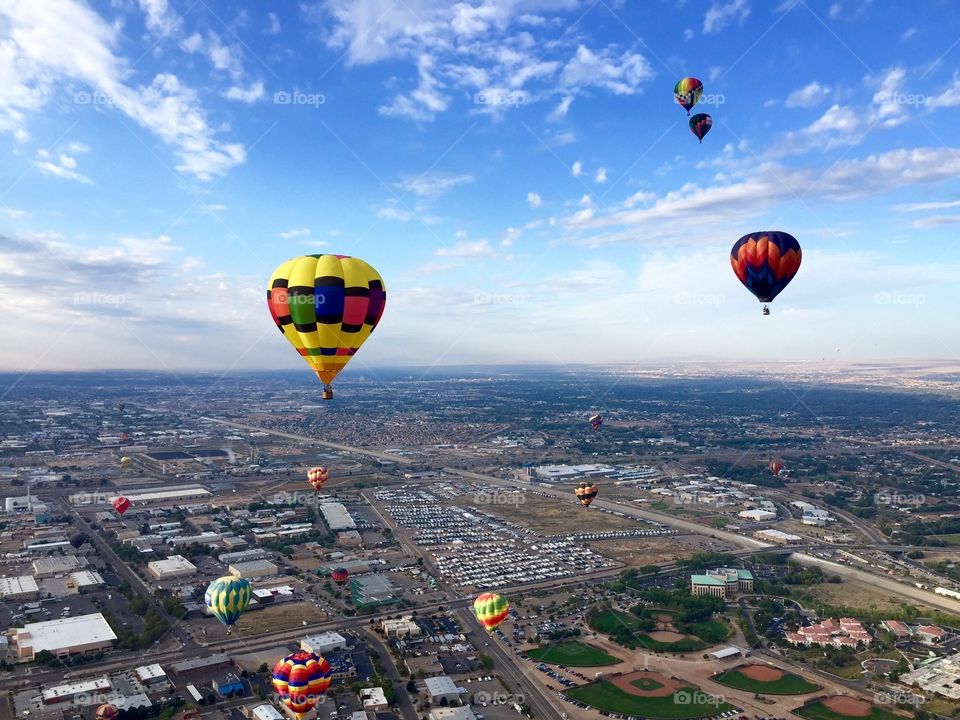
(638, 552)
(550, 516)
(280, 617)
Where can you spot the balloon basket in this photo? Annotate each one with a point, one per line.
(327, 393)
(766, 310)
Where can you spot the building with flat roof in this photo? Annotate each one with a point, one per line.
(781, 538)
(722, 582)
(452, 713)
(323, 643)
(442, 687)
(65, 636)
(173, 567)
(758, 515)
(49, 566)
(210, 662)
(254, 569)
(19, 588)
(337, 517)
(373, 699)
(152, 676)
(232, 558)
(266, 712)
(400, 628)
(86, 580)
(372, 590)
(67, 693)
(229, 685)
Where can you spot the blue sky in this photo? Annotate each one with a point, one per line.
(517, 170)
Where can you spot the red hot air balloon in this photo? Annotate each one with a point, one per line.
(317, 476)
(596, 421)
(124, 437)
(121, 504)
(301, 679)
(340, 575)
(776, 467)
(700, 125)
(765, 262)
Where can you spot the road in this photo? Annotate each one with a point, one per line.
(399, 684)
(312, 441)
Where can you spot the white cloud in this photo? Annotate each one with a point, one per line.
(937, 221)
(890, 109)
(534, 199)
(720, 14)
(64, 166)
(919, 207)
(948, 98)
(835, 10)
(908, 33)
(273, 24)
(577, 169)
(621, 75)
(714, 72)
(212, 209)
(12, 213)
(295, 232)
(247, 95)
(160, 20)
(560, 111)
(63, 42)
(468, 250)
(601, 176)
(222, 57)
(689, 34)
(425, 101)
(809, 95)
(433, 184)
(837, 119)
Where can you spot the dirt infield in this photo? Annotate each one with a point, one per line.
(848, 706)
(761, 673)
(666, 636)
(625, 683)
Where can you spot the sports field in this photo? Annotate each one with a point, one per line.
(843, 708)
(572, 654)
(609, 621)
(683, 704)
(765, 680)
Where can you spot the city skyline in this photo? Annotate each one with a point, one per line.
(517, 170)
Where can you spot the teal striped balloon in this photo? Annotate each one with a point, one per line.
(227, 598)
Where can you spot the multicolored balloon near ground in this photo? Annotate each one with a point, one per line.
(585, 493)
(700, 125)
(491, 610)
(227, 598)
(765, 262)
(775, 467)
(121, 504)
(107, 712)
(340, 576)
(301, 679)
(596, 421)
(317, 477)
(326, 306)
(687, 91)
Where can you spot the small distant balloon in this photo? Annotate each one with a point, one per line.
(596, 421)
(121, 505)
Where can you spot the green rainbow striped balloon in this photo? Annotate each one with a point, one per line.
(227, 598)
(491, 610)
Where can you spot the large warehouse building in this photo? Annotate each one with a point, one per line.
(19, 588)
(173, 567)
(66, 636)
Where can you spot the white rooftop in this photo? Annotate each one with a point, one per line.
(17, 585)
(150, 672)
(90, 687)
(54, 635)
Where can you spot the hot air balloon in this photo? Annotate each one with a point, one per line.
(301, 679)
(491, 610)
(586, 492)
(687, 91)
(125, 462)
(227, 599)
(78, 540)
(121, 504)
(37, 437)
(700, 125)
(121, 407)
(340, 576)
(326, 306)
(596, 421)
(775, 467)
(107, 712)
(765, 262)
(124, 437)
(317, 476)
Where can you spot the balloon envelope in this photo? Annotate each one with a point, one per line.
(700, 125)
(326, 306)
(687, 92)
(317, 476)
(340, 575)
(121, 504)
(227, 598)
(491, 610)
(107, 712)
(301, 679)
(765, 262)
(586, 492)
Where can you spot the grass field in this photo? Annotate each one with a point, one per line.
(789, 684)
(689, 644)
(610, 621)
(710, 631)
(818, 711)
(606, 696)
(572, 654)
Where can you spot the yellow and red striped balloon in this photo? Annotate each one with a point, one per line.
(317, 476)
(301, 679)
(491, 610)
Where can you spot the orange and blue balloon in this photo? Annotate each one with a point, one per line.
(765, 262)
